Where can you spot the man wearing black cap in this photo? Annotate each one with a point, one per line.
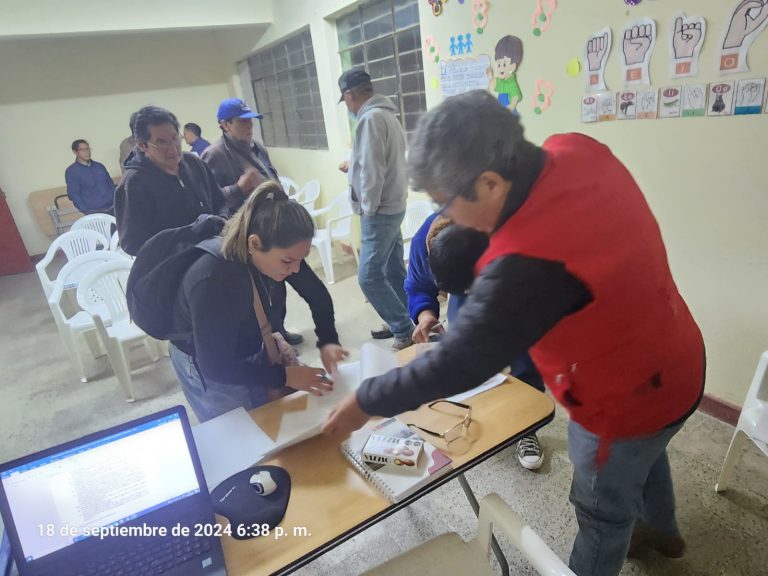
(237, 155)
(378, 191)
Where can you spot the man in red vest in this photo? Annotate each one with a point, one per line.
(576, 271)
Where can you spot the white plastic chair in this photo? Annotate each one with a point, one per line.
(309, 194)
(114, 246)
(101, 293)
(81, 323)
(449, 554)
(72, 243)
(415, 214)
(289, 186)
(752, 425)
(338, 227)
(102, 223)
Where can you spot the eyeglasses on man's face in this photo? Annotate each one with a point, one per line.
(165, 145)
(450, 408)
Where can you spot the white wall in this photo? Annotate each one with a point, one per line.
(46, 17)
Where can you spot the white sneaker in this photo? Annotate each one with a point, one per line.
(529, 452)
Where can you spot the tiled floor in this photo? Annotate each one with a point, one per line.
(44, 403)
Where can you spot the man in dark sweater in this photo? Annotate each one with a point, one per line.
(164, 187)
(89, 185)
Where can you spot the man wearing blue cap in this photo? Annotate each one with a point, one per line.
(237, 154)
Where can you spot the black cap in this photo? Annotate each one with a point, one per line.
(352, 78)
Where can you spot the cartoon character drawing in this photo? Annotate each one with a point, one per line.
(460, 44)
(508, 55)
(718, 105)
(437, 6)
(468, 43)
(453, 46)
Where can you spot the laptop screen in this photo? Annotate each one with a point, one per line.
(73, 494)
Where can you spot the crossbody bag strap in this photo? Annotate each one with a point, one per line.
(264, 326)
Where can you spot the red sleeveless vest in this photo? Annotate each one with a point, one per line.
(632, 361)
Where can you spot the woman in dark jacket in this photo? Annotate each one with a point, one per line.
(227, 364)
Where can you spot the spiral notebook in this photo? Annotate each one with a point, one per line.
(387, 478)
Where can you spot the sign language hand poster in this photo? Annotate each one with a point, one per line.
(596, 52)
(637, 48)
(748, 20)
(686, 38)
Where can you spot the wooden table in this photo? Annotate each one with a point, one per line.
(330, 502)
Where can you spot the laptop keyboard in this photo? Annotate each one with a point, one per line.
(151, 556)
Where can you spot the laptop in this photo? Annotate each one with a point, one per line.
(128, 500)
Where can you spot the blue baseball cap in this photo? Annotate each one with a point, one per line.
(235, 108)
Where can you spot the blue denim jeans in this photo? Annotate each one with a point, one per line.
(382, 270)
(212, 398)
(634, 483)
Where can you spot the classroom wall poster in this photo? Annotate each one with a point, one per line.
(606, 107)
(637, 48)
(749, 19)
(749, 96)
(464, 74)
(670, 102)
(647, 104)
(686, 37)
(720, 98)
(589, 108)
(502, 77)
(596, 51)
(627, 105)
(694, 100)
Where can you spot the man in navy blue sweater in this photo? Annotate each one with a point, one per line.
(89, 185)
(442, 257)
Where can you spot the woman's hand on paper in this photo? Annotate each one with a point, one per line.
(309, 379)
(331, 355)
(345, 418)
(428, 323)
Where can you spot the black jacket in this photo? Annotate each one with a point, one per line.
(226, 163)
(215, 303)
(149, 200)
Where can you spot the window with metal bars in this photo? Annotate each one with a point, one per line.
(383, 36)
(284, 80)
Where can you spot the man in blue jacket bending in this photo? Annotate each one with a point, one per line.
(442, 258)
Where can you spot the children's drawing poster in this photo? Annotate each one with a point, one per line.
(749, 96)
(464, 74)
(647, 104)
(670, 102)
(694, 100)
(627, 105)
(637, 48)
(589, 108)
(686, 37)
(502, 77)
(748, 20)
(720, 98)
(596, 52)
(606, 107)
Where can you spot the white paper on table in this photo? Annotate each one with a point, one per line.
(229, 444)
(492, 382)
(298, 426)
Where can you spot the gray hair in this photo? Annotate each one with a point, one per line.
(463, 137)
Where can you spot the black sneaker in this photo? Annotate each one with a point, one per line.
(382, 334)
(291, 338)
(529, 452)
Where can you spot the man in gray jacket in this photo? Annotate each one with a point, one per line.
(378, 191)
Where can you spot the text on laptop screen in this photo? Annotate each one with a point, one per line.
(57, 500)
